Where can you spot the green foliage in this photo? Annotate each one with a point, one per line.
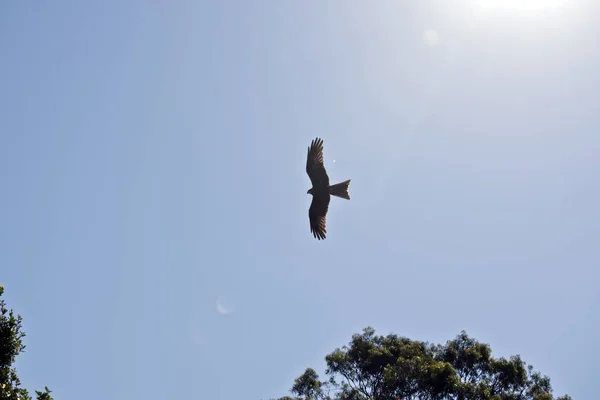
(11, 344)
(391, 367)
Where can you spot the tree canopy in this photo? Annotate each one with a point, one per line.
(392, 367)
(11, 344)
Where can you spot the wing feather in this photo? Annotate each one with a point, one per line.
(314, 164)
(317, 214)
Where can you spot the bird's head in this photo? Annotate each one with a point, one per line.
(309, 191)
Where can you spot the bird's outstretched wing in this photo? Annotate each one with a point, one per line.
(317, 214)
(314, 164)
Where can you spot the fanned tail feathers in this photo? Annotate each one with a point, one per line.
(340, 190)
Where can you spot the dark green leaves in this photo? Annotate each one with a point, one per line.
(308, 385)
(11, 344)
(391, 367)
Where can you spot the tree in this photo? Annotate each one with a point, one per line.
(11, 344)
(392, 367)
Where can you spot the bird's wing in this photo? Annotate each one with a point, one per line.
(314, 164)
(317, 214)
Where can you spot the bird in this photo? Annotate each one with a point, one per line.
(321, 191)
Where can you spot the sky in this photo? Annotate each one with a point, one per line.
(155, 233)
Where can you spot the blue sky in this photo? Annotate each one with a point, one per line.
(152, 162)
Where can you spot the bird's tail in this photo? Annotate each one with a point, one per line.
(340, 190)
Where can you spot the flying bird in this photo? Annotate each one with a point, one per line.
(321, 190)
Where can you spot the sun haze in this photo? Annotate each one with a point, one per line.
(521, 4)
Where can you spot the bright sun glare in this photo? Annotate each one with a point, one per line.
(520, 4)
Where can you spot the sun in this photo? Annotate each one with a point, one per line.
(519, 4)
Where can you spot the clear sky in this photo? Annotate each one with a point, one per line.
(152, 166)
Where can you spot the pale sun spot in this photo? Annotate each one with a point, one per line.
(431, 37)
(223, 307)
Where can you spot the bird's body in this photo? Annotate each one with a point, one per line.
(321, 190)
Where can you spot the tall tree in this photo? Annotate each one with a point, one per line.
(11, 344)
(392, 367)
